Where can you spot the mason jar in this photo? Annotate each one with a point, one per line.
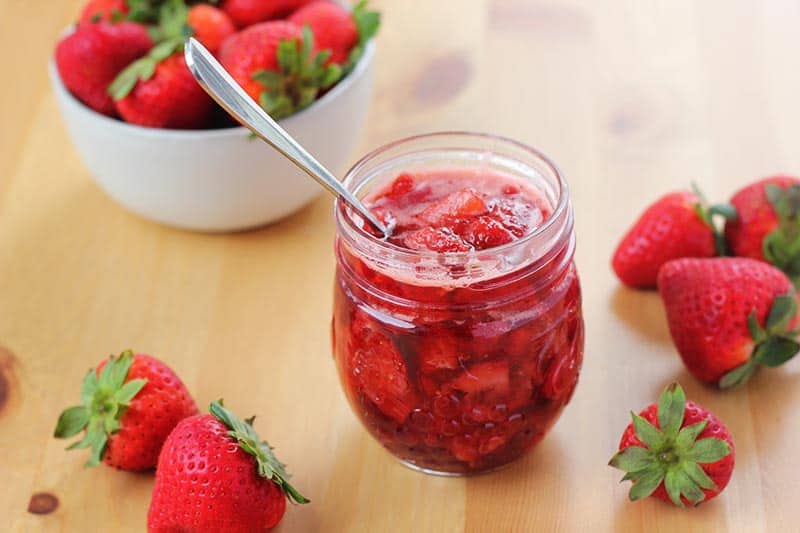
(458, 362)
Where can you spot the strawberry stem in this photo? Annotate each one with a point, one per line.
(709, 215)
(774, 343)
(268, 465)
(301, 75)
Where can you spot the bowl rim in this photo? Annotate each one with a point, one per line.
(235, 131)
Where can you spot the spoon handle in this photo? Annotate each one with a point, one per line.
(213, 78)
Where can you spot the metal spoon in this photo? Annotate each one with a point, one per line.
(213, 78)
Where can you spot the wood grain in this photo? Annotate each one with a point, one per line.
(631, 98)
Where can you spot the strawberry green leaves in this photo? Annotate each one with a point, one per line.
(367, 23)
(142, 69)
(169, 35)
(268, 465)
(104, 400)
(301, 76)
(781, 247)
(671, 455)
(671, 407)
(774, 344)
(143, 11)
(72, 421)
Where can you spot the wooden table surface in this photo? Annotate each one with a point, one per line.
(631, 98)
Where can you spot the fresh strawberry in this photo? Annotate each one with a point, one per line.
(729, 315)
(676, 451)
(104, 10)
(342, 32)
(768, 223)
(333, 26)
(171, 98)
(216, 474)
(248, 12)
(211, 26)
(275, 64)
(255, 49)
(676, 225)
(91, 57)
(129, 406)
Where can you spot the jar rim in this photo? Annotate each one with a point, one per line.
(343, 215)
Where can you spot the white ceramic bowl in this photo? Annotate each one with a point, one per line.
(217, 180)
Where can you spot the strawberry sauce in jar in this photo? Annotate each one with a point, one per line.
(459, 339)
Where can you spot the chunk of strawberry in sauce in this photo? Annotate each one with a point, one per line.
(438, 353)
(466, 203)
(403, 184)
(491, 376)
(435, 240)
(444, 211)
(517, 214)
(486, 232)
(380, 371)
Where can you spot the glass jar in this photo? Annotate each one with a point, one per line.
(458, 362)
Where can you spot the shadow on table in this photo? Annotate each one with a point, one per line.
(652, 515)
(643, 312)
(760, 407)
(306, 222)
(537, 477)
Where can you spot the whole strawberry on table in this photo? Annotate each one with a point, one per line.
(215, 474)
(124, 58)
(728, 316)
(676, 451)
(767, 227)
(678, 224)
(129, 405)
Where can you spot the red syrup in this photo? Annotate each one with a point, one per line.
(455, 376)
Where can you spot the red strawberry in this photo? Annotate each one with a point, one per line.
(729, 315)
(256, 49)
(333, 26)
(129, 406)
(103, 10)
(171, 98)
(768, 223)
(216, 474)
(91, 57)
(211, 26)
(344, 33)
(676, 451)
(675, 226)
(274, 63)
(248, 12)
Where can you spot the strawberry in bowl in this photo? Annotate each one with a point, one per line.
(158, 145)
